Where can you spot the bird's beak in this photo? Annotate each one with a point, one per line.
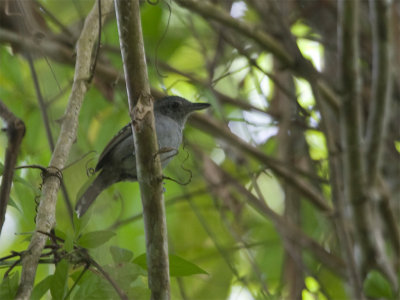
(199, 106)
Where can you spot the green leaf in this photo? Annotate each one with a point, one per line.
(141, 261)
(92, 286)
(69, 243)
(26, 183)
(95, 239)
(129, 277)
(80, 223)
(41, 288)
(120, 255)
(9, 286)
(377, 286)
(178, 266)
(125, 273)
(181, 267)
(12, 203)
(60, 234)
(58, 284)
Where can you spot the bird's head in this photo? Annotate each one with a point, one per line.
(177, 108)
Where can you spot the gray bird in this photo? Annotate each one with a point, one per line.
(117, 162)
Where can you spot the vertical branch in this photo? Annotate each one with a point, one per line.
(331, 128)
(381, 85)
(148, 164)
(354, 179)
(291, 149)
(337, 183)
(45, 219)
(351, 97)
(15, 133)
(382, 81)
(354, 172)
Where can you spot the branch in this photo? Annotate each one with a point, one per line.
(354, 173)
(52, 49)
(220, 131)
(15, 132)
(291, 145)
(381, 86)
(45, 219)
(377, 130)
(119, 223)
(148, 164)
(214, 12)
(56, 51)
(300, 65)
(204, 83)
(218, 177)
(341, 220)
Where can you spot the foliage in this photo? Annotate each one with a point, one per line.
(272, 132)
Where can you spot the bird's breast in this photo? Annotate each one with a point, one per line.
(169, 135)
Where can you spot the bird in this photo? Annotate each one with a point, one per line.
(117, 162)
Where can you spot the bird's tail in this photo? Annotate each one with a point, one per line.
(100, 183)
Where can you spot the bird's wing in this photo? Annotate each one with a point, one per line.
(124, 133)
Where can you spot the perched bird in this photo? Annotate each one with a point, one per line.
(117, 162)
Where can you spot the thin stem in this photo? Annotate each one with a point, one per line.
(119, 291)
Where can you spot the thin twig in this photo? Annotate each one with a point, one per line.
(57, 22)
(222, 132)
(41, 102)
(218, 245)
(11, 268)
(46, 122)
(96, 54)
(287, 229)
(297, 63)
(77, 281)
(181, 198)
(119, 291)
(15, 132)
